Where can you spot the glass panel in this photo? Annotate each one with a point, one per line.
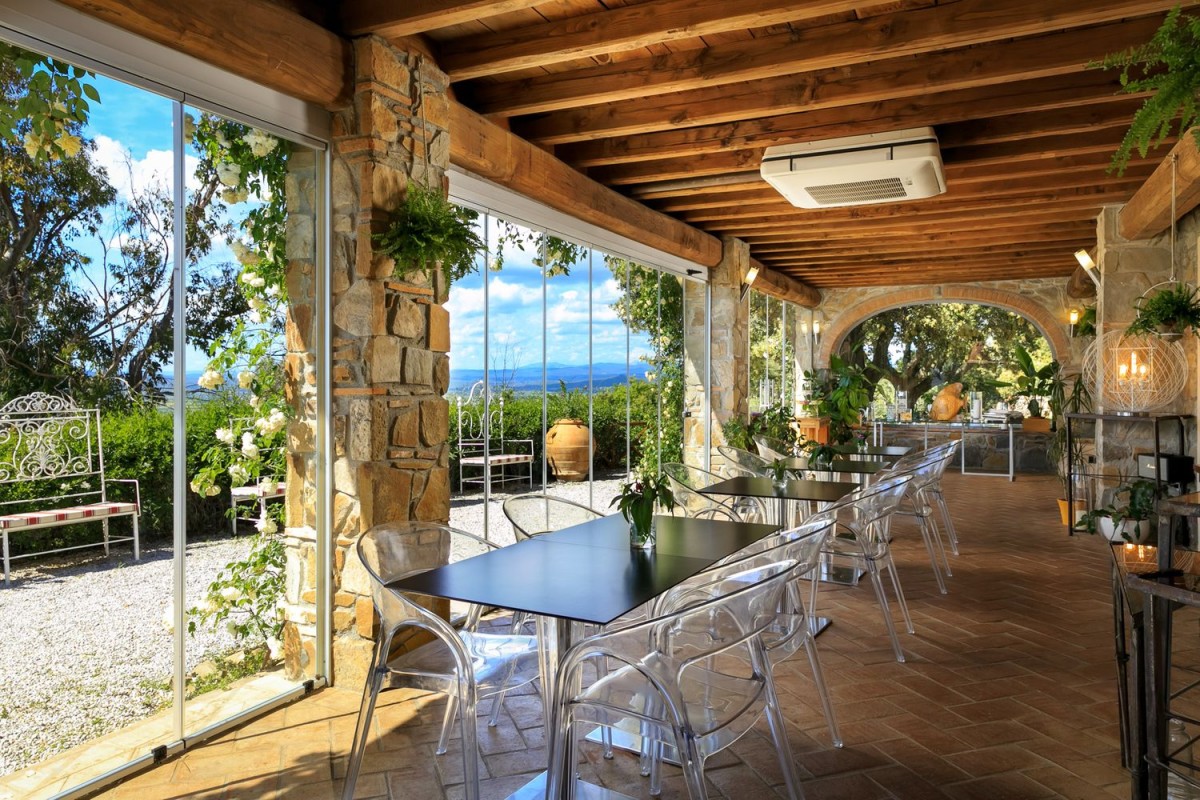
(568, 369)
(85, 265)
(610, 380)
(467, 305)
(670, 366)
(251, 262)
(788, 356)
(640, 311)
(759, 350)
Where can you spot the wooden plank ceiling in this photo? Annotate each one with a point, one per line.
(672, 102)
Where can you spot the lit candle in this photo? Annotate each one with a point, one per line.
(1133, 364)
(1124, 370)
(1142, 372)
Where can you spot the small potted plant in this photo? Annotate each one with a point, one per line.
(1035, 383)
(429, 230)
(1167, 313)
(1129, 520)
(779, 474)
(637, 502)
(819, 455)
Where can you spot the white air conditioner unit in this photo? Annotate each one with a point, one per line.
(857, 170)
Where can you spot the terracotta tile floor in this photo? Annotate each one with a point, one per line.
(1008, 693)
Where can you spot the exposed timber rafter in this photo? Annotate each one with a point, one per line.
(390, 18)
(1148, 212)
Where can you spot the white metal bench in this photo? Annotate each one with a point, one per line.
(56, 448)
(482, 447)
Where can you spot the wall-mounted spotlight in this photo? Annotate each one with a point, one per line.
(1073, 317)
(751, 275)
(1089, 265)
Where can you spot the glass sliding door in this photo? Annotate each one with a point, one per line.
(176, 270)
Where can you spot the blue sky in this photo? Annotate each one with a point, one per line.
(132, 131)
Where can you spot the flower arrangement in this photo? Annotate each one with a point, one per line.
(637, 502)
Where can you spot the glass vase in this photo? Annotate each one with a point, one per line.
(642, 534)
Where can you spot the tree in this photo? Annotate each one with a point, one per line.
(919, 348)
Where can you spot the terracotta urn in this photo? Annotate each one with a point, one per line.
(568, 447)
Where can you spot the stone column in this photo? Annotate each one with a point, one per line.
(390, 336)
(1129, 268)
(727, 351)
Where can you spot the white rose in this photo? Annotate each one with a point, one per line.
(250, 450)
(245, 379)
(231, 594)
(255, 401)
(224, 435)
(268, 486)
(231, 627)
(255, 317)
(270, 526)
(212, 491)
(222, 140)
(229, 173)
(239, 474)
(195, 487)
(272, 291)
(211, 379)
(261, 143)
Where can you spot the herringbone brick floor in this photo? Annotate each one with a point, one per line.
(1008, 694)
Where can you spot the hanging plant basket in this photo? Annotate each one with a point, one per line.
(1167, 313)
(429, 230)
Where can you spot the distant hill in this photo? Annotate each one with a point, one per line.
(529, 377)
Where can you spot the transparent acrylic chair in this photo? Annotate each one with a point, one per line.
(679, 678)
(747, 509)
(745, 459)
(771, 449)
(862, 542)
(465, 663)
(699, 506)
(918, 504)
(933, 495)
(533, 514)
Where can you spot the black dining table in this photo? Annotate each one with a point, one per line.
(811, 491)
(887, 452)
(837, 466)
(585, 573)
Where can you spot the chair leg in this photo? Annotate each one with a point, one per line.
(447, 724)
(877, 584)
(6, 559)
(810, 649)
(778, 727)
(560, 777)
(104, 525)
(371, 690)
(137, 545)
(926, 535)
(470, 743)
(951, 533)
(891, 567)
(693, 765)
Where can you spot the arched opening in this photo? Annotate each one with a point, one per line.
(909, 353)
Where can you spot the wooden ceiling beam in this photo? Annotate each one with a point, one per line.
(1024, 126)
(1148, 212)
(388, 18)
(1061, 243)
(493, 153)
(903, 33)
(1020, 96)
(856, 84)
(619, 29)
(935, 236)
(945, 276)
(255, 39)
(785, 287)
(1013, 266)
(965, 224)
(1049, 256)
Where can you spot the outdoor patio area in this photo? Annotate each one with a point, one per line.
(1008, 692)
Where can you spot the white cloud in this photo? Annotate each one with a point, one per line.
(126, 172)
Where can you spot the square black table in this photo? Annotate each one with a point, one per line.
(840, 465)
(814, 491)
(889, 452)
(585, 573)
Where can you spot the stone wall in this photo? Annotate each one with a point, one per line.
(728, 351)
(390, 337)
(300, 386)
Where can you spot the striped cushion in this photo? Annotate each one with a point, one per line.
(44, 519)
(503, 458)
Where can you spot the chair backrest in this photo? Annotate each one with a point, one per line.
(772, 449)
(745, 459)
(874, 502)
(481, 418)
(395, 550)
(53, 445)
(800, 540)
(699, 506)
(690, 476)
(533, 514)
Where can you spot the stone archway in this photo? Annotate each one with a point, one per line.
(1042, 318)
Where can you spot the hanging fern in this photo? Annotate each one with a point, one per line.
(1167, 66)
(428, 229)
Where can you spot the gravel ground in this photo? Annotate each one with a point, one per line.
(84, 647)
(466, 510)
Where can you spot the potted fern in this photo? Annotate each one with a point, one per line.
(1167, 313)
(429, 230)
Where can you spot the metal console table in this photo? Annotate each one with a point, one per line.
(964, 429)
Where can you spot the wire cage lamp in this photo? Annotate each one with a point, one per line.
(1136, 374)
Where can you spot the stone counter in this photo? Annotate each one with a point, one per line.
(986, 447)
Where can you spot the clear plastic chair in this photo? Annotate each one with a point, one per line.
(747, 509)
(534, 514)
(864, 544)
(745, 459)
(679, 676)
(916, 504)
(699, 506)
(465, 664)
(772, 449)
